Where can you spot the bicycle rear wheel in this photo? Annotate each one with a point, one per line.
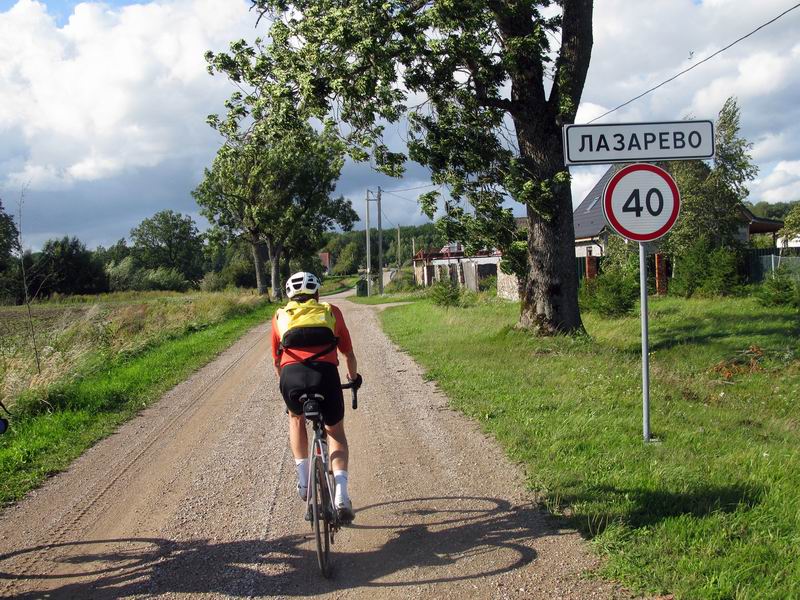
(320, 504)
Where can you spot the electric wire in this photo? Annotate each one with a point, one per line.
(694, 66)
(412, 188)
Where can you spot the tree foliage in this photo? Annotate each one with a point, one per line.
(712, 195)
(65, 266)
(772, 210)
(791, 224)
(272, 181)
(169, 240)
(469, 77)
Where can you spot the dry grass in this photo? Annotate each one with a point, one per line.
(73, 336)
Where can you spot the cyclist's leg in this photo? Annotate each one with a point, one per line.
(292, 383)
(337, 443)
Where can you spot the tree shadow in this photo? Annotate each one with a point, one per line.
(424, 539)
(647, 507)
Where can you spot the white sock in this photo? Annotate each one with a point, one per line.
(301, 466)
(341, 497)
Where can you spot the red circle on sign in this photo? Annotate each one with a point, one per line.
(614, 222)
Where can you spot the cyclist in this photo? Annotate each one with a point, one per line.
(306, 334)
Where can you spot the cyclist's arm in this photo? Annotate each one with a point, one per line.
(352, 364)
(275, 343)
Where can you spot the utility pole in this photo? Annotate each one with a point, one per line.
(413, 256)
(399, 264)
(380, 245)
(369, 254)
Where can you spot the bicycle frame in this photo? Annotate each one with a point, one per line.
(319, 450)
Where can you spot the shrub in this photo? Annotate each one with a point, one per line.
(721, 276)
(706, 271)
(489, 285)
(213, 282)
(403, 282)
(779, 289)
(164, 279)
(124, 275)
(445, 293)
(612, 294)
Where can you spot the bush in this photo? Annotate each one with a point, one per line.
(489, 285)
(213, 282)
(722, 274)
(779, 289)
(612, 294)
(124, 276)
(445, 293)
(403, 282)
(706, 271)
(162, 279)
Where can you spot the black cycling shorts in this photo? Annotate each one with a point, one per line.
(313, 378)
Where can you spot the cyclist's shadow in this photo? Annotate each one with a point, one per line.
(424, 539)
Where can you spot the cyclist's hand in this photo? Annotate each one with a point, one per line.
(357, 380)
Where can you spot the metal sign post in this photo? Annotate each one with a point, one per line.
(641, 203)
(645, 342)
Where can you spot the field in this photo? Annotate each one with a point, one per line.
(74, 334)
(712, 510)
(101, 361)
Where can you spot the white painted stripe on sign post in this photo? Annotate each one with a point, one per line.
(638, 142)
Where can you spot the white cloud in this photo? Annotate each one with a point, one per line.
(782, 184)
(638, 45)
(114, 88)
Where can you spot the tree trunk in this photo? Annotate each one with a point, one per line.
(550, 299)
(285, 268)
(275, 249)
(259, 258)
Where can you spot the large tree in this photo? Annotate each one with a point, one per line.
(272, 185)
(169, 240)
(485, 95)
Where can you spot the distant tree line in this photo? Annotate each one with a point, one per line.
(349, 249)
(166, 252)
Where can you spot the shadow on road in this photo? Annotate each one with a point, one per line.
(427, 540)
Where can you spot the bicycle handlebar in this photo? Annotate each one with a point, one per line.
(353, 386)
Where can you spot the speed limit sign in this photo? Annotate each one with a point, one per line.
(641, 202)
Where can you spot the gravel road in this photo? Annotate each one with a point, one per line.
(195, 498)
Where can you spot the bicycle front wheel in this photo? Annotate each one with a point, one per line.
(321, 516)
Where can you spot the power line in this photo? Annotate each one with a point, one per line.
(383, 212)
(413, 188)
(694, 66)
(399, 196)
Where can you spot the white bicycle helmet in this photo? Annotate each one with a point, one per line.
(302, 283)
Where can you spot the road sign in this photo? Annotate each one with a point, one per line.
(641, 202)
(638, 142)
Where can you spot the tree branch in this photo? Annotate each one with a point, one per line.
(572, 64)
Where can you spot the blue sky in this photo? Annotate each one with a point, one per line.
(103, 106)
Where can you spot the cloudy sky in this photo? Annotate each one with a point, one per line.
(103, 105)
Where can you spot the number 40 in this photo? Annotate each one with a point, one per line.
(634, 202)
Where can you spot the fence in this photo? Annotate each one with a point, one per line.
(759, 262)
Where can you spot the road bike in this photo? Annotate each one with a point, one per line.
(320, 507)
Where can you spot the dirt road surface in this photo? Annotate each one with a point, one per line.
(195, 498)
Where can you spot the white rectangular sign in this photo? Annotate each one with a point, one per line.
(638, 142)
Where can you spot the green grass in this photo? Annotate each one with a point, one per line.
(713, 510)
(335, 284)
(388, 298)
(50, 428)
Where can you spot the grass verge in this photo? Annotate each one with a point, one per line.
(53, 427)
(388, 298)
(710, 512)
(334, 285)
